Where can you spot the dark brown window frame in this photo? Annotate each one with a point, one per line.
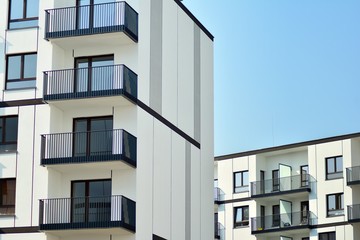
(338, 204)
(24, 19)
(3, 119)
(7, 206)
(242, 181)
(336, 170)
(22, 66)
(244, 222)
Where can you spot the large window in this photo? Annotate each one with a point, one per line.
(21, 71)
(23, 13)
(8, 133)
(327, 236)
(334, 167)
(241, 216)
(304, 171)
(335, 204)
(241, 181)
(7, 200)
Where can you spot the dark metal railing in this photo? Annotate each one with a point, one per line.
(287, 220)
(91, 19)
(91, 146)
(219, 231)
(90, 82)
(353, 175)
(353, 212)
(297, 182)
(87, 212)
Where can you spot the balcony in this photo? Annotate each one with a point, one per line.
(285, 185)
(116, 82)
(282, 222)
(219, 231)
(353, 213)
(117, 20)
(108, 214)
(218, 195)
(353, 175)
(101, 148)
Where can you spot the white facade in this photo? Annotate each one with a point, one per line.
(299, 191)
(169, 113)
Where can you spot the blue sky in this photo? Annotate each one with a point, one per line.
(285, 70)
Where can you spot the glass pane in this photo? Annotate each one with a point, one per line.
(245, 178)
(237, 179)
(21, 84)
(8, 192)
(100, 188)
(23, 24)
(339, 164)
(78, 202)
(30, 66)
(14, 67)
(332, 236)
(330, 165)
(341, 201)
(102, 74)
(1, 129)
(83, 15)
(246, 213)
(331, 202)
(99, 201)
(82, 76)
(104, 14)
(101, 137)
(17, 7)
(239, 216)
(32, 8)
(80, 138)
(11, 131)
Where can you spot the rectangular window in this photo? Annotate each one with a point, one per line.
(304, 171)
(241, 216)
(241, 181)
(8, 133)
(275, 180)
(276, 216)
(334, 167)
(335, 204)
(23, 13)
(21, 71)
(7, 200)
(327, 236)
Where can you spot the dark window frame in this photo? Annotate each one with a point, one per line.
(24, 18)
(276, 216)
(328, 235)
(22, 68)
(339, 197)
(304, 176)
(242, 186)
(7, 207)
(275, 181)
(336, 171)
(3, 130)
(244, 222)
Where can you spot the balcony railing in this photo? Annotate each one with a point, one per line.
(91, 19)
(219, 231)
(217, 194)
(281, 221)
(354, 213)
(91, 146)
(274, 186)
(353, 175)
(87, 212)
(90, 82)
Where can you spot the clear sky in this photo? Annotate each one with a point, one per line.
(286, 71)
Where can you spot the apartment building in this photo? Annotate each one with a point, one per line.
(302, 191)
(106, 121)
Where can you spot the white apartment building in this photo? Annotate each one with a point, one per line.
(106, 121)
(302, 191)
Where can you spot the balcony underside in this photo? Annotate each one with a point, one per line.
(90, 101)
(91, 228)
(114, 161)
(295, 193)
(354, 182)
(276, 231)
(111, 39)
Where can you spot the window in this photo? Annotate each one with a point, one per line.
(335, 204)
(241, 181)
(304, 171)
(241, 216)
(334, 167)
(8, 133)
(276, 216)
(21, 71)
(305, 238)
(7, 200)
(275, 180)
(327, 236)
(23, 13)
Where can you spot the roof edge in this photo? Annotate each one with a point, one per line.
(200, 25)
(287, 146)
